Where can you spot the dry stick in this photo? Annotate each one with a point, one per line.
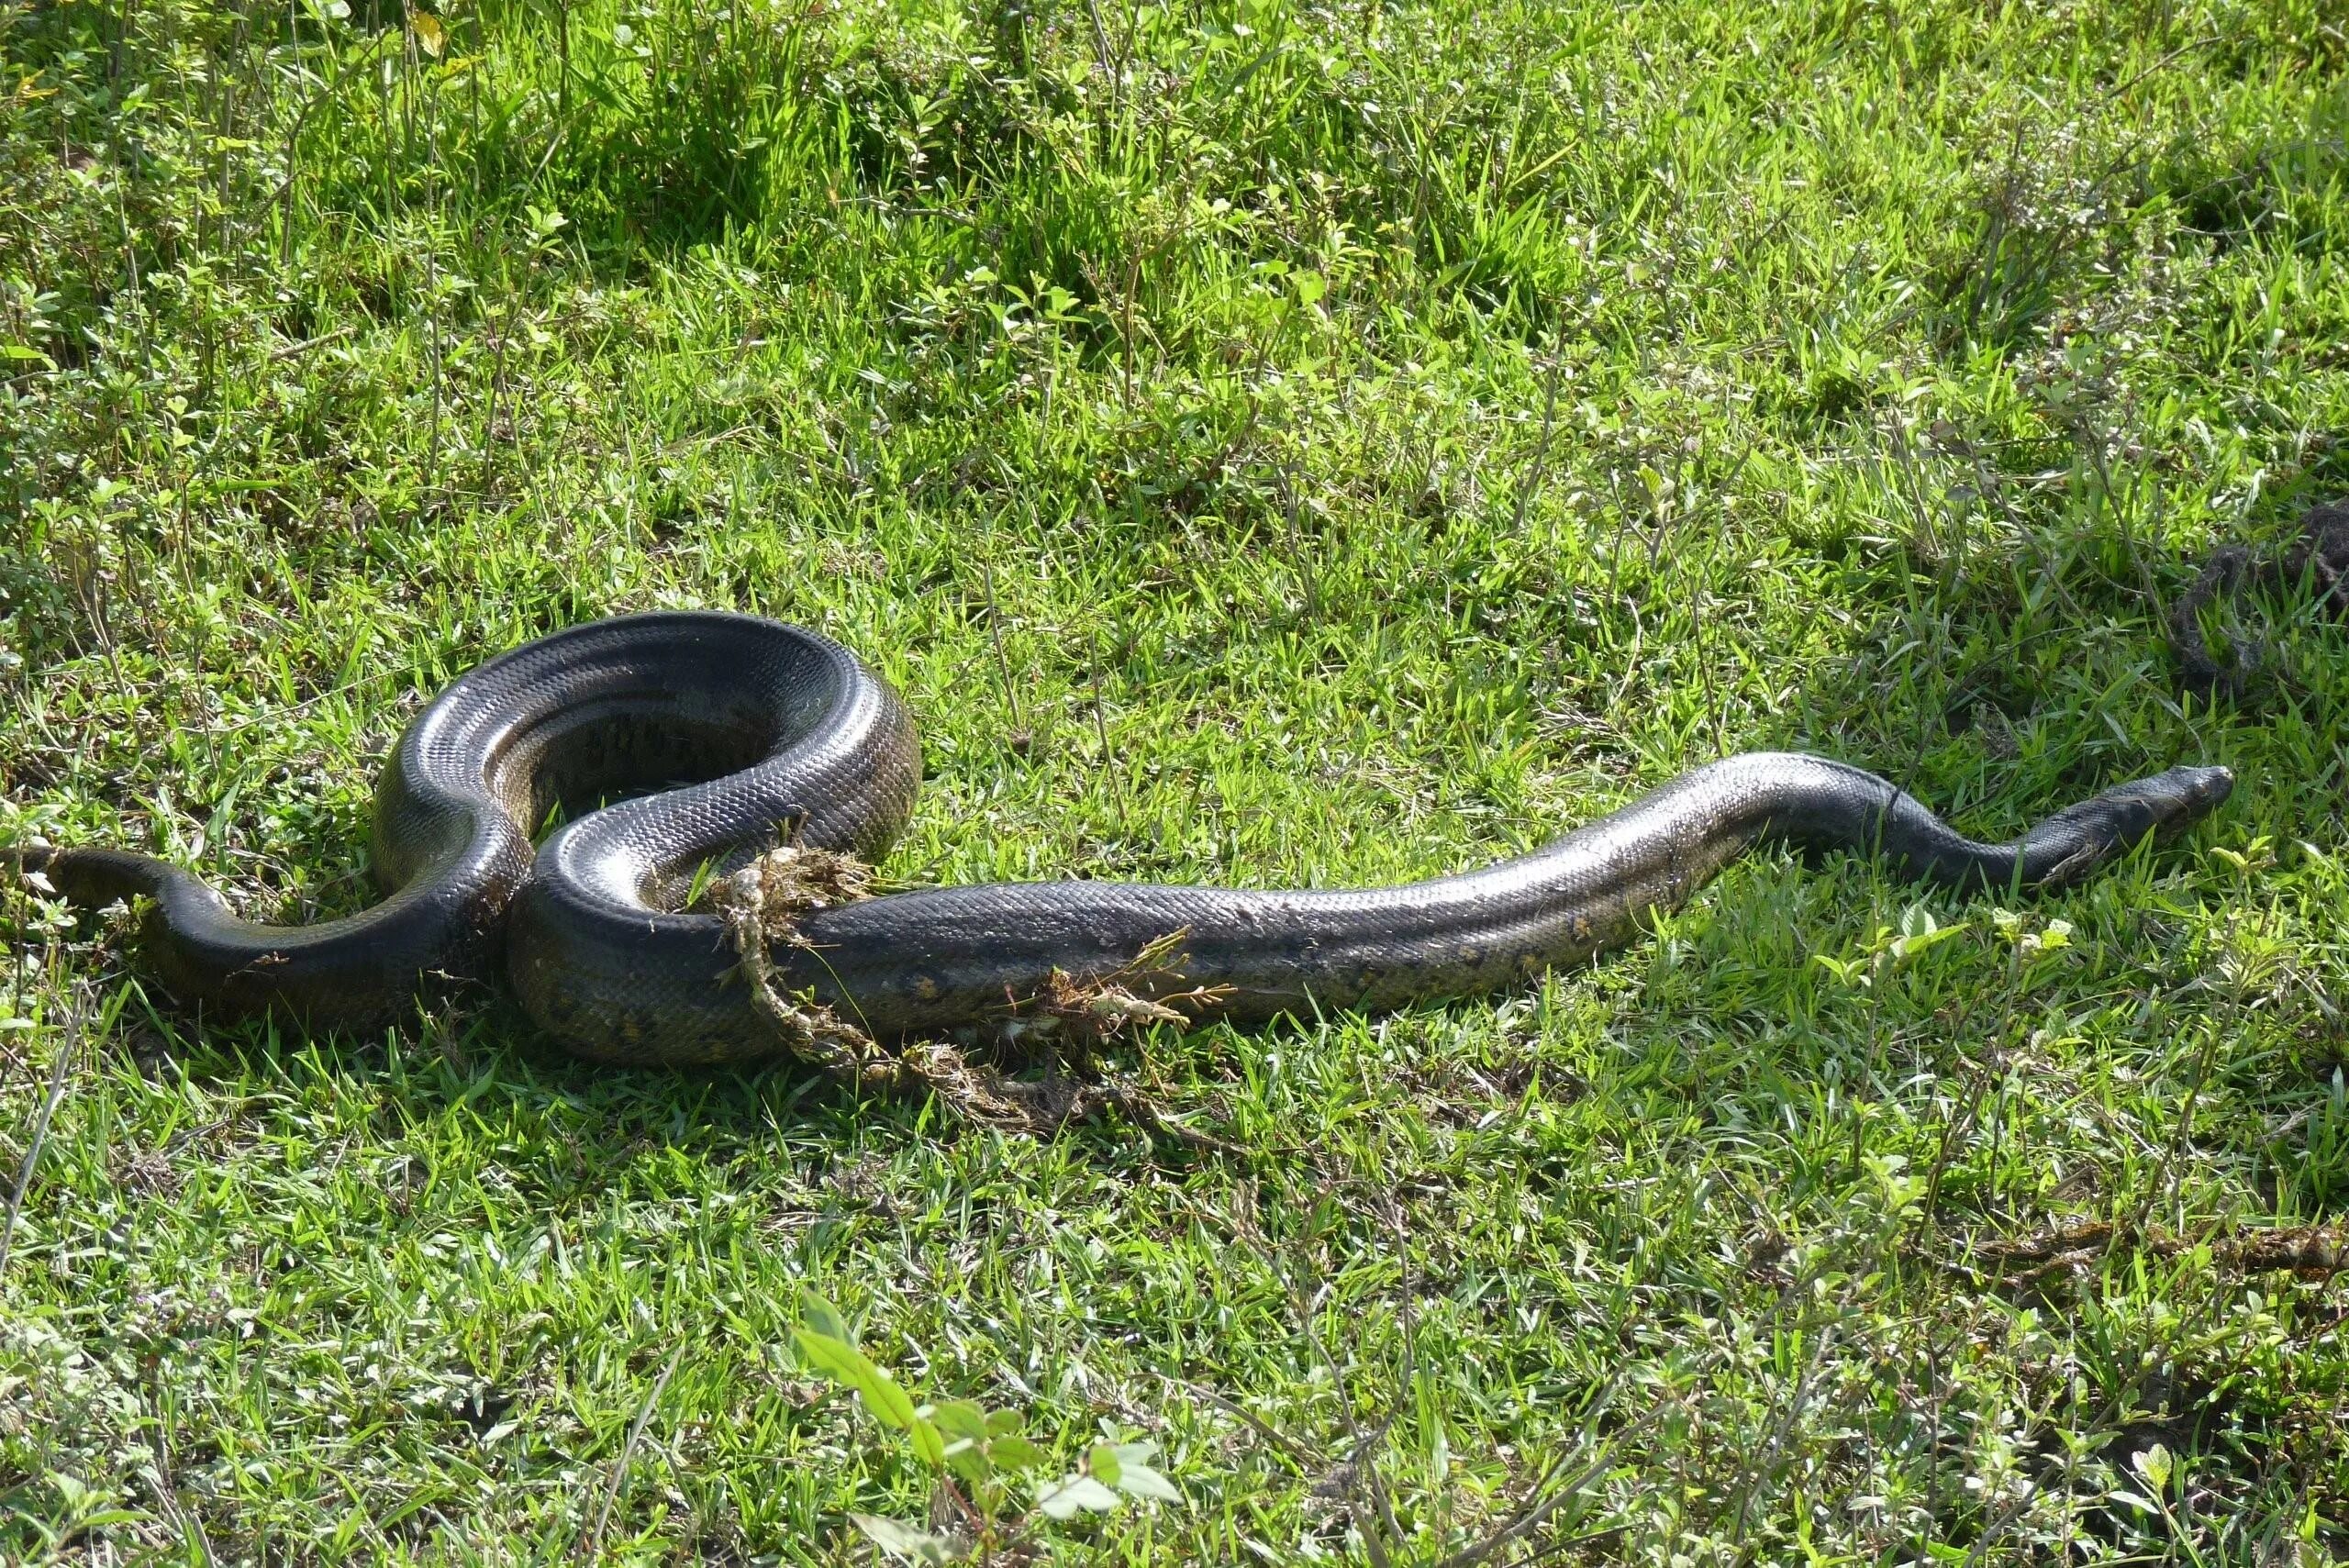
(167, 1491)
(1525, 492)
(2170, 1173)
(1758, 1471)
(1410, 1382)
(1535, 1513)
(1994, 239)
(20, 972)
(473, 74)
(1298, 552)
(138, 292)
(2167, 60)
(1358, 1460)
(1126, 54)
(1305, 1457)
(1362, 1462)
(497, 388)
(1101, 724)
(994, 629)
(432, 263)
(292, 138)
(2073, 1459)
(1623, 526)
(2098, 442)
(628, 1452)
(1957, 1127)
(66, 1052)
(121, 37)
(1703, 662)
(290, 351)
(1134, 264)
(1905, 465)
(1101, 50)
(1992, 486)
(379, 65)
(407, 89)
(849, 1056)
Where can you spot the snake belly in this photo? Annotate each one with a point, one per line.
(786, 734)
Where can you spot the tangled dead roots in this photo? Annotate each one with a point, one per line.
(2319, 557)
(763, 904)
(2075, 1251)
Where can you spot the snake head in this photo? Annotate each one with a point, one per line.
(2164, 806)
(2079, 838)
(26, 860)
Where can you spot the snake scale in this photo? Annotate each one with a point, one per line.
(789, 735)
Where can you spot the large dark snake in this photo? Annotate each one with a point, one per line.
(795, 741)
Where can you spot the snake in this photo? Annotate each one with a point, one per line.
(674, 747)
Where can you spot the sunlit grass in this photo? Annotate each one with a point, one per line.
(1267, 445)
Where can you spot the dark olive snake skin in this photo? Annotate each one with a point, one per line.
(792, 734)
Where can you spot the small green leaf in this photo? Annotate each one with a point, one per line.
(1062, 1499)
(1919, 930)
(1140, 1481)
(821, 1317)
(1136, 1478)
(828, 1356)
(1001, 1422)
(1849, 971)
(2155, 1464)
(847, 1364)
(904, 1541)
(929, 1446)
(1012, 1452)
(960, 1418)
(1101, 1464)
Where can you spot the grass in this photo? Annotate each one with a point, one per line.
(1268, 444)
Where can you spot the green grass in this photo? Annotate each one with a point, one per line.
(1266, 444)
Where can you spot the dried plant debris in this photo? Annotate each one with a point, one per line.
(1148, 988)
(2317, 557)
(2311, 1252)
(763, 904)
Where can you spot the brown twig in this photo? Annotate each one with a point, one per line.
(595, 1543)
(66, 1051)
